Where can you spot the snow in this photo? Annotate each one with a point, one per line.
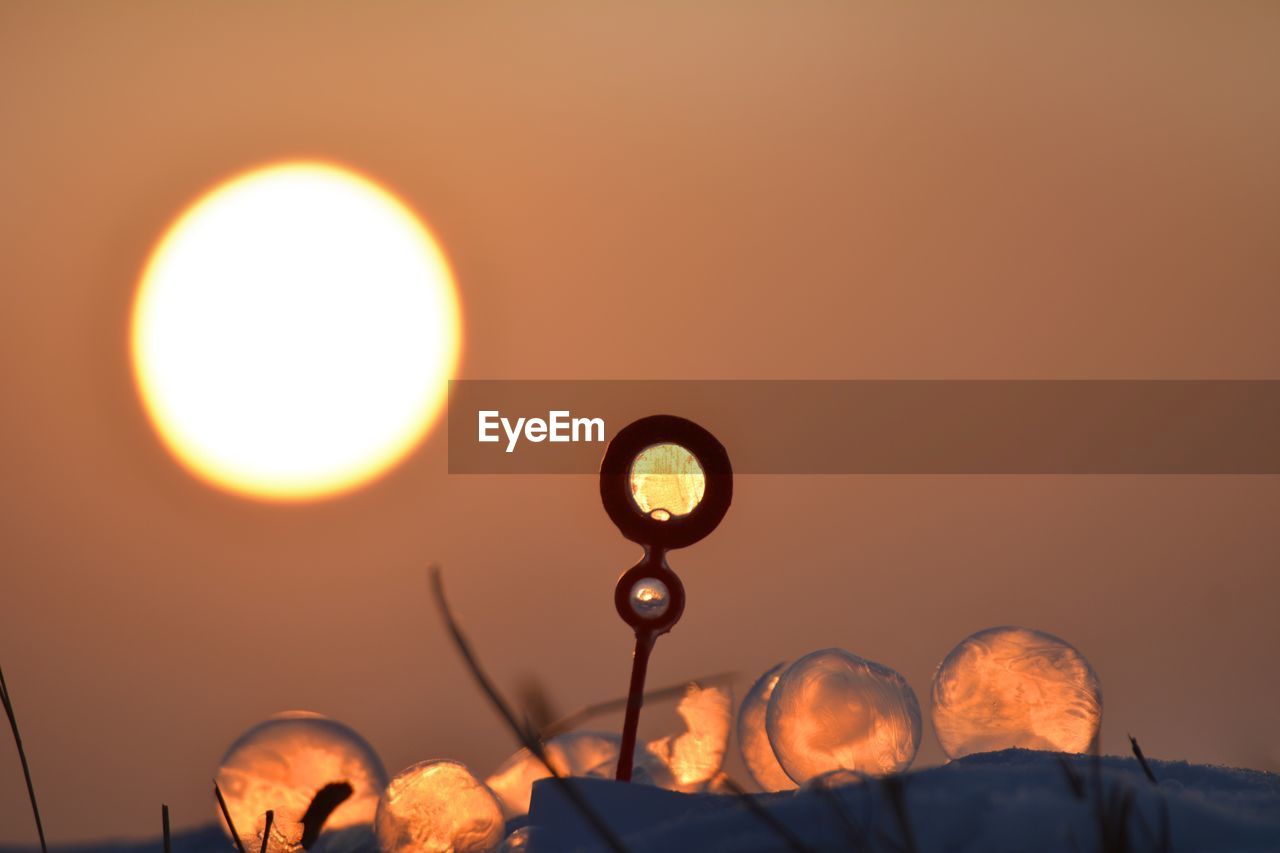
(1009, 800)
(1012, 800)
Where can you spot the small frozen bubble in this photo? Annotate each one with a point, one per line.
(282, 762)
(520, 841)
(753, 740)
(831, 709)
(688, 762)
(571, 754)
(438, 806)
(650, 598)
(831, 779)
(1015, 687)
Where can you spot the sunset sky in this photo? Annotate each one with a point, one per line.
(742, 191)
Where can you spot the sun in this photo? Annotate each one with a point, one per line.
(293, 332)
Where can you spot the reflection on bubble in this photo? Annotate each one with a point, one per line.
(689, 761)
(281, 763)
(753, 740)
(832, 709)
(572, 754)
(1014, 687)
(666, 481)
(438, 807)
(650, 598)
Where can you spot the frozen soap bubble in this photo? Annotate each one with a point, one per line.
(831, 780)
(832, 710)
(571, 754)
(438, 807)
(753, 740)
(281, 763)
(1014, 687)
(688, 762)
(520, 841)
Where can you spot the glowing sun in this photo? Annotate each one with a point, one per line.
(294, 331)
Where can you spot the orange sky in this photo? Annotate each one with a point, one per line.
(852, 193)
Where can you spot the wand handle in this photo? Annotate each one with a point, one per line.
(635, 698)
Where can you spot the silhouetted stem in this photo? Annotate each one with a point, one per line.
(226, 815)
(526, 738)
(266, 829)
(1142, 759)
(22, 756)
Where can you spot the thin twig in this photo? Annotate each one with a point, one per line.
(164, 823)
(572, 721)
(1165, 842)
(852, 832)
(1074, 779)
(895, 790)
(1142, 759)
(22, 756)
(226, 815)
(527, 739)
(767, 817)
(266, 829)
(1118, 814)
(1111, 810)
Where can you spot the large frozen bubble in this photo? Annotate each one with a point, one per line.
(438, 807)
(1015, 687)
(833, 710)
(753, 740)
(282, 762)
(571, 754)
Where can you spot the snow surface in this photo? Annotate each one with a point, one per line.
(1015, 800)
(1011, 800)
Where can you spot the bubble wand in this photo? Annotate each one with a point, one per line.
(666, 483)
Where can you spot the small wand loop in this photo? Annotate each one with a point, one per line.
(650, 598)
